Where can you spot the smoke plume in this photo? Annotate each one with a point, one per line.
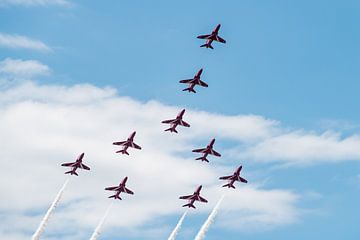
(177, 227)
(98, 228)
(49, 212)
(204, 228)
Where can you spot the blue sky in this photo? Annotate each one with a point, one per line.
(292, 62)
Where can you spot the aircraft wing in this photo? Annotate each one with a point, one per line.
(128, 191)
(186, 197)
(116, 188)
(186, 81)
(242, 180)
(219, 39)
(172, 121)
(119, 143)
(134, 145)
(202, 199)
(200, 150)
(225, 177)
(72, 164)
(183, 123)
(83, 166)
(204, 36)
(215, 153)
(202, 83)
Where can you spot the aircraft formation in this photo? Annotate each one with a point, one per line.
(174, 123)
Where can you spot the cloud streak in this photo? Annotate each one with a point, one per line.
(18, 68)
(22, 42)
(33, 3)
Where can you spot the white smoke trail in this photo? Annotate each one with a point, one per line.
(51, 209)
(177, 227)
(209, 221)
(98, 228)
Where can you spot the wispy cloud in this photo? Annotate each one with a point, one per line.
(17, 68)
(30, 3)
(18, 41)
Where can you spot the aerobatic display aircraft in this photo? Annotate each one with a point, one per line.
(126, 144)
(194, 197)
(206, 151)
(175, 122)
(194, 81)
(119, 189)
(212, 37)
(75, 165)
(233, 178)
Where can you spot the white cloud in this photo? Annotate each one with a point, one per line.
(17, 41)
(31, 3)
(43, 126)
(303, 148)
(17, 68)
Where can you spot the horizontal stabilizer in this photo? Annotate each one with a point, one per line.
(207, 46)
(203, 159)
(189, 205)
(115, 197)
(123, 152)
(72, 173)
(229, 185)
(171, 130)
(190, 90)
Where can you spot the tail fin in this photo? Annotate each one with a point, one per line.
(207, 45)
(202, 159)
(229, 186)
(123, 152)
(72, 172)
(115, 197)
(190, 90)
(171, 130)
(189, 205)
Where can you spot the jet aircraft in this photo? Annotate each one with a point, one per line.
(194, 81)
(206, 151)
(194, 197)
(175, 122)
(233, 178)
(75, 165)
(119, 189)
(212, 37)
(126, 144)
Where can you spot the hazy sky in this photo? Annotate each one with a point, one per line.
(282, 101)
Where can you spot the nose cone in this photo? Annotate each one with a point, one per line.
(81, 156)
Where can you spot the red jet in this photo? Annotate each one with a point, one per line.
(212, 37)
(128, 143)
(206, 151)
(194, 81)
(233, 178)
(194, 197)
(175, 122)
(75, 165)
(119, 189)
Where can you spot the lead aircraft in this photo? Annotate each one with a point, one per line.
(75, 165)
(194, 197)
(194, 81)
(175, 122)
(233, 178)
(128, 143)
(212, 37)
(119, 189)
